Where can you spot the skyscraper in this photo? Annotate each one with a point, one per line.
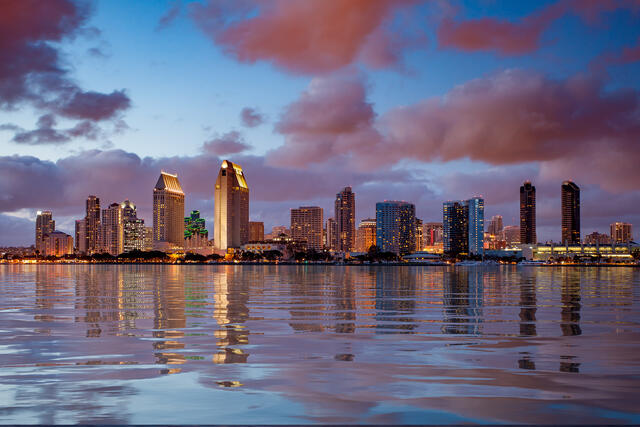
(396, 227)
(133, 228)
(476, 225)
(80, 242)
(419, 240)
(345, 220)
(231, 198)
(366, 234)
(570, 213)
(432, 233)
(92, 224)
(44, 225)
(332, 234)
(495, 225)
(528, 214)
(455, 227)
(168, 213)
(306, 224)
(256, 231)
(112, 231)
(621, 232)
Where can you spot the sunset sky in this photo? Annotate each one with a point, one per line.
(403, 100)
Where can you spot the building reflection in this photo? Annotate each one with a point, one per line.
(528, 304)
(462, 300)
(395, 300)
(570, 297)
(231, 312)
(169, 316)
(345, 301)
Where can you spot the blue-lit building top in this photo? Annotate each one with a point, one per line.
(395, 227)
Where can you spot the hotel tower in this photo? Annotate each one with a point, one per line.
(168, 213)
(570, 213)
(231, 216)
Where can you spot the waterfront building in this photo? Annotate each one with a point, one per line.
(92, 224)
(528, 214)
(602, 253)
(168, 213)
(133, 228)
(306, 224)
(419, 236)
(395, 227)
(231, 198)
(455, 227)
(570, 193)
(511, 234)
(365, 235)
(44, 225)
(495, 225)
(596, 238)
(432, 233)
(621, 232)
(332, 234)
(345, 214)
(256, 231)
(476, 225)
(80, 240)
(56, 243)
(112, 230)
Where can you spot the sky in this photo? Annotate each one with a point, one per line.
(401, 100)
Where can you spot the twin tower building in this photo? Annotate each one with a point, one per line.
(231, 217)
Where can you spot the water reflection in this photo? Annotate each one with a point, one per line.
(318, 344)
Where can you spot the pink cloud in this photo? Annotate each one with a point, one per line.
(229, 143)
(250, 117)
(313, 36)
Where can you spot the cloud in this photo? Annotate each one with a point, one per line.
(45, 133)
(523, 36)
(229, 143)
(170, 15)
(16, 231)
(250, 117)
(313, 36)
(31, 68)
(510, 117)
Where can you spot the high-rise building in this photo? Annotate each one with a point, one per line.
(511, 234)
(621, 232)
(345, 217)
(112, 230)
(231, 198)
(365, 234)
(332, 234)
(56, 243)
(432, 233)
(528, 214)
(92, 224)
(419, 236)
(196, 236)
(596, 238)
(306, 224)
(277, 230)
(133, 228)
(396, 227)
(148, 239)
(44, 225)
(495, 225)
(455, 225)
(256, 231)
(476, 225)
(80, 241)
(168, 213)
(570, 213)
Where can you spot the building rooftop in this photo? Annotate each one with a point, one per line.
(169, 182)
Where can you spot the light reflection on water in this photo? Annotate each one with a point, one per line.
(323, 344)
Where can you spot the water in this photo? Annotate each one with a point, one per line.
(318, 344)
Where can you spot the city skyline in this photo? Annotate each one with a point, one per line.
(426, 102)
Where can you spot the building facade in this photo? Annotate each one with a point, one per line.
(112, 230)
(57, 243)
(306, 224)
(495, 225)
(231, 216)
(345, 217)
(476, 225)
(365, 235)
(92, 224)
(331, 234)
(196, 236)
(596, 238)
(395, 227)
(432, 233)
(44, 225)
(168, 213)
(621, 232)
(80, 238)
(528, 214)
(133, 228)
(455, 227)
(256, 231)
(570, 194)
